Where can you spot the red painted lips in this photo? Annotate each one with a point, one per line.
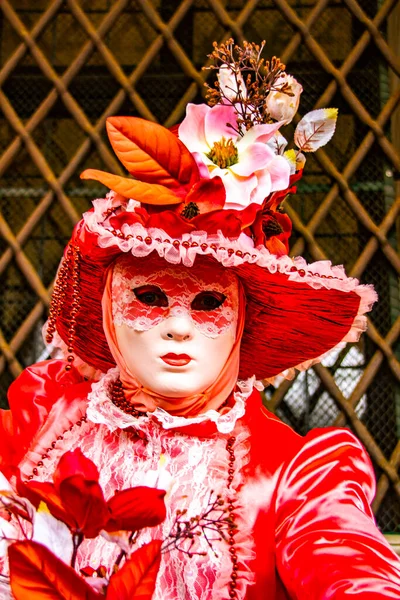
(176, 360)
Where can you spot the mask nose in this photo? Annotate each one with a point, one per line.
(179, 329)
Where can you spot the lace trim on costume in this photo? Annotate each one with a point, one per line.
(102, 410)
(180, 286)
(224, 422)
(100, 407)
(231, 253)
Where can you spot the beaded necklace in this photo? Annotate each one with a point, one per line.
(119, 400)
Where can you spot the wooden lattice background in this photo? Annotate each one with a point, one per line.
(66, 65)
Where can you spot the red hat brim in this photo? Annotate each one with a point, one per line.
(295, 313)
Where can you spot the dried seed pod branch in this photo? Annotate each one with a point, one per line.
(244, 81)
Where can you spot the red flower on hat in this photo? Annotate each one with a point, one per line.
(272, 228)
(202, 210)
(76, 498)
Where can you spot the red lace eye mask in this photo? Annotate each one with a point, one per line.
(185, 292)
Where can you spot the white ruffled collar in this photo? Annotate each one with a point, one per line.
(102, 410)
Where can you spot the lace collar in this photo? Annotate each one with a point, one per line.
(102, 410)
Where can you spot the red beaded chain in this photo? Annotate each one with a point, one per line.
(69, 270)
(76, 300)
(40, 463)
(58, 295)
(232, 529)
(119, 400)
(186, 244)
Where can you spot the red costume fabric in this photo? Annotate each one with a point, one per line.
(306, 499)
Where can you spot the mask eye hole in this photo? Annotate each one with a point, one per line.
(151, 295)
(208, 300)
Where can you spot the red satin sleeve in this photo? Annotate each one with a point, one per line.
(31, 397)
(327, 544)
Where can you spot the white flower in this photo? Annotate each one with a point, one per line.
(8, 533)
(52, 533)
(282, 106)
(231, 83)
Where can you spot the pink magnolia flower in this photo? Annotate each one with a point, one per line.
(249, 168)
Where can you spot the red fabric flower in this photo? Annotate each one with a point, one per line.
(202, 210)
(77, 499)
(208, 195)
(140, 215)
(230, 222)
(172, 223)
(272, 229)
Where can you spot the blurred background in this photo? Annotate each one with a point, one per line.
(67, 65)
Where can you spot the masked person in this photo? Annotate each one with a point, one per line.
(174, 298)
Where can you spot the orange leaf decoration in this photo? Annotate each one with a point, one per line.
(146, 193)
(37, 574)
(151, 152)
(137, 578)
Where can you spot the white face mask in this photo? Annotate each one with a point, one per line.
(175, 326)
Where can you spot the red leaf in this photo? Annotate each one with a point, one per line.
(38, 491)
(75, 463)
(37, 574)
(146, 193)
(208, 194)
(136, 508)
(84, 501)
(137, 578)
(151, 152)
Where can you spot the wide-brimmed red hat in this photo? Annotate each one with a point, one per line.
(212, 190)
